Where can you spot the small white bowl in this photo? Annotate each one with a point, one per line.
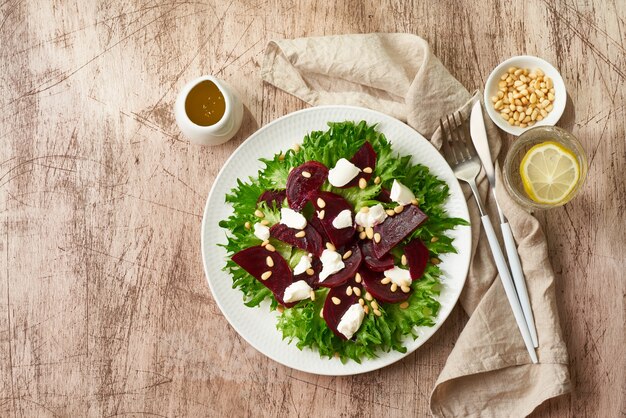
(532, 63)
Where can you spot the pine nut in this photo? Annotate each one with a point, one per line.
(247, 225)
(320, 202)
(405, 289)
(269, 261)
(306, 174)
(270, 247)
(357, 278)
(310, 272)
(362, 183)
(321, 214)
(300, 234)
(366, 309)
(369, 231)
(377, 180)
(390, 212)
(362, 235)
(347, 254)
(368, 170)
(377, 312)
(266, 275)
(348, 291)
(365, 209)
(264, 243)
(398, 209)
(259, 214)
(368, 296)
(322, 313)
(377, 237)
(330, 246)
(295, 147)
(394, 287)
(265, 222)
(435, 261)
(374, 304)
(386, 280)
(415, 202)
(403, 260)
(356, 291)
(336, 300)
(312, 295)
(404, 305)
(361, 302)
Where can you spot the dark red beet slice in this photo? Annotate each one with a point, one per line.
(311, 242)
(381, 292)
(373, 263)
(417, 257)
(364, 157)
(352, 264)
(315, 223)
(273, 197)
(254, 261)
(395, 228)
(300, 188)
(312, 280)
(333, 205)
(384, 196)
(332, 313)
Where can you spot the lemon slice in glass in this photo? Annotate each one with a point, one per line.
(549, 172)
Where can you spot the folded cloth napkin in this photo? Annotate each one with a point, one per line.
(489, 372)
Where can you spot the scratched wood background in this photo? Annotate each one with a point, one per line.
(104, 309)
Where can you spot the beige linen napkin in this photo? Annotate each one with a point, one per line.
(489, 372)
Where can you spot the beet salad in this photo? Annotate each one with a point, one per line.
(343, 237)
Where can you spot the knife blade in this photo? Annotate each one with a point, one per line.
(478, 132)
(481, 142)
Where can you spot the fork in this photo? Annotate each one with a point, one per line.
(461, 155)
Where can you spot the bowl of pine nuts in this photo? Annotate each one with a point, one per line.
(525, 91)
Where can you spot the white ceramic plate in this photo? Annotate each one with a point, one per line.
(258, 325)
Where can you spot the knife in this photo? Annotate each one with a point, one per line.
(481, 143)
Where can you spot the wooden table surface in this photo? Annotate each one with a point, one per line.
(104, 308)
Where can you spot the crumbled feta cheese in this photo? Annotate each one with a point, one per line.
(374, 216)
(351, 320)
(296, 291)
(343, 219)
(331, 263)
(399, 276)
(292, 219)
(262, 232)
(303, 265)
(342, 173)
(400, 193)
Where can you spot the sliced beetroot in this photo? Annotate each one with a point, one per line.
(311, 242)
(417, 257)
(352, 264)
(395, 228)
(384, 196)
(254, 261)
(273, 197)
(373, 263)
(333, 204)
(315, 223)
(381, 292)
(364, 157)
(334, 312)
(313, 279)
(303, 181)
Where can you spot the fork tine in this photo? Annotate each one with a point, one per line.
(454, 141)
(460, 136)
(468, 139)
(445, 145)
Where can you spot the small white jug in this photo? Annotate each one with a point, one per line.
(222, 130)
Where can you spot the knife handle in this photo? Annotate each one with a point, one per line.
(509, 287)
(518, 278)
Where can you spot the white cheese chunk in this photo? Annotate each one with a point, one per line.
(400, 193)
(399, 276)
(292, 219)
(371, 218)
(342, 173)
(262, 232)
(296, 291)
(303, 265)
(331, 264)
(343, 219)
(351, 320)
